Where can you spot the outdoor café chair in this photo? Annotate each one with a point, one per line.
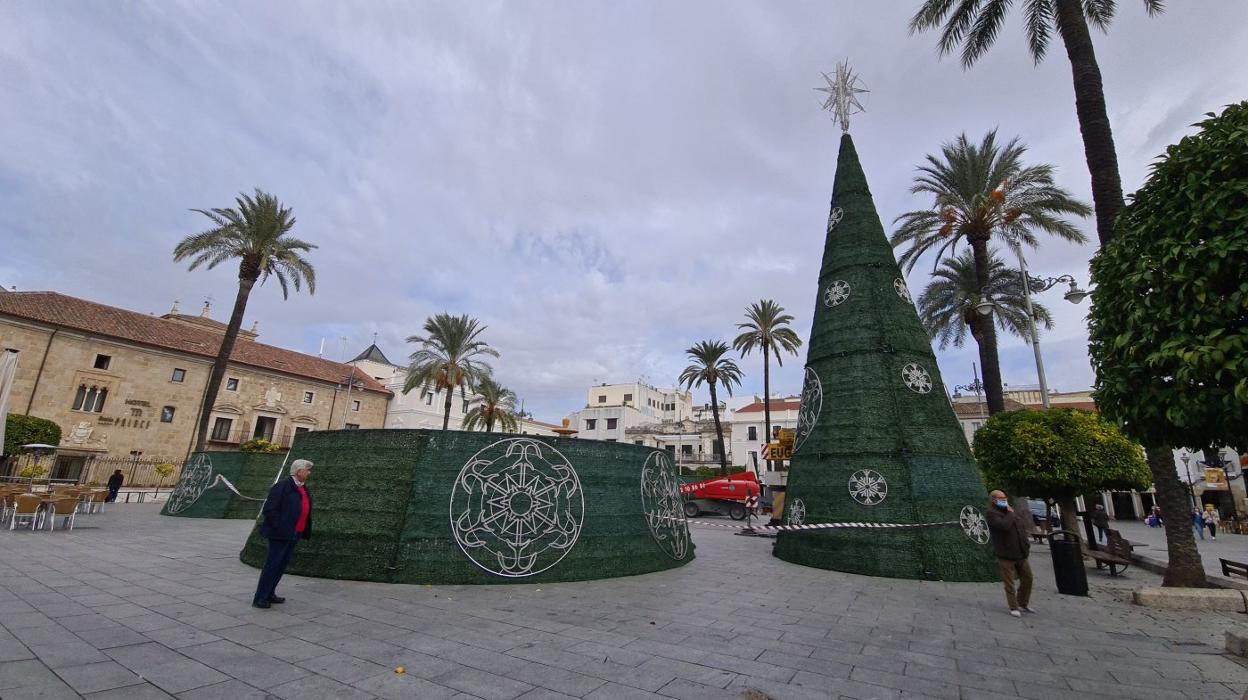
(62, 508)
(26, 506)
(96, 504)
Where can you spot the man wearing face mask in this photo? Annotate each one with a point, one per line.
(1009, 542)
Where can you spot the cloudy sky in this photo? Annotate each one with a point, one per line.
(602, 183)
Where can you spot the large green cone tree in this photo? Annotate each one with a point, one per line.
(877, 441)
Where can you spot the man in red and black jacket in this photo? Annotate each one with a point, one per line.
(285, 519)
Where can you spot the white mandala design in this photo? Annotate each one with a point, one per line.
(916, 378)
(974, 524)
(663, 505)
(834, 217)
(808, 412)
(868, 487)
(796, 512)
(196, 478)
(517, 508)
(899, 285)
(836, 293)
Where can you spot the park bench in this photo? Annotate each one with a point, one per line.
(1235, 568)
(1117, 553)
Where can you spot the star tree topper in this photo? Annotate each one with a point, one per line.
(843, 91)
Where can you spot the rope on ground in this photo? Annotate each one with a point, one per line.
(827, 526)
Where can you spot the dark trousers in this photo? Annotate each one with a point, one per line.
(1100, 533)
(274, 567)
(112, 494)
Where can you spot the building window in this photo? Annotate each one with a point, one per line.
(611, 440)
(612, 423)
(638, 442)
(686, 450)
(352, 426)
(221, 428)
(166, 414)
(355, 405)
(628, 397)
(428, 397)
(591, 423)
(179, 375)
(302, 429)
(231, 384)
(90, 399)
(754, 461)
(102, 361)
(602, 398)
(751, 433)
(465, 406)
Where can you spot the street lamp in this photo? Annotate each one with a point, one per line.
(1191, 487)
(975, 386)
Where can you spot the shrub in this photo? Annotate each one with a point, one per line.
(260, 445)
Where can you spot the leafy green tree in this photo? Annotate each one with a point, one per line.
(28, 430)
(980, 191)
(1168, 329)
(947, 305)
(975, 24)
(256, 234)
(711, 367)
(766, 328)
(1059, 454)
(494, 403)
(451, 356)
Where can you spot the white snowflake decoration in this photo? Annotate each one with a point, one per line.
(899, 285)
(916, 378)
(834, 217)
(517, 508)
(796, 512)
(195, 480)
(836, 293)
(868, 487)
(974, 524)
(663, 505)
(811, 406)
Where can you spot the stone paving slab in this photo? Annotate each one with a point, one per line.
(140, 606)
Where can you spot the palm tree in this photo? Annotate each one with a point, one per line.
(980, 191)
(974, 24)
(494, 403)
(766, 328)
(254, 233)
(450, 357)
(947, 305)
(710, 366)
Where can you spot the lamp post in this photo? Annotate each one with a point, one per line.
(975, 386)
(1191, 487)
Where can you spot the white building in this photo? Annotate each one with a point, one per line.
(749, 436)
(611, 409)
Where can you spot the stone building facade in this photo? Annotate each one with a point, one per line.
(120, 382)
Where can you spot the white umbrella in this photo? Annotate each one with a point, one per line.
(8, 370)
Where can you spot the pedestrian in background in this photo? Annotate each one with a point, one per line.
(1008, 531)
(285, 519)
(1101, 520)
(1198, 522)
(114, 485)
(1212, 518)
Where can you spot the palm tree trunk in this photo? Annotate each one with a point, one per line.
(987, 337)
(446, 407)
(1098, 138)
(246, 280)
(719, 432)
(1185, 568)
(766, 400)
(489, 422)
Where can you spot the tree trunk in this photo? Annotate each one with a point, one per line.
(446, 407)
(766, 403)
(1098, 138)
(246, 280)
(1185, 568)
(719, 432)
(987, 337)
(1070, 519)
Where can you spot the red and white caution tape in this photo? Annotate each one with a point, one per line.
(828, 526)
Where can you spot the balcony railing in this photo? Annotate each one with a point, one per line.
(237, 437)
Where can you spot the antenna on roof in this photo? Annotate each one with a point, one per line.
(374, 337)
(321, 352)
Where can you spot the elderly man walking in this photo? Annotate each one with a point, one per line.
(285, 519)
(1009, 541)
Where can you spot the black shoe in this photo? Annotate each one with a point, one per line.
(277, 599)
(260, 604)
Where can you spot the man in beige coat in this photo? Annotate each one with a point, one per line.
(1008, 530)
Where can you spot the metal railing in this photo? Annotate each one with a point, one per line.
(238, 437)
(92, 469)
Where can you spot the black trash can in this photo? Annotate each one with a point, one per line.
(1068, 563)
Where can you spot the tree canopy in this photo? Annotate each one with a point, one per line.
(1169, 322)
(28, 430)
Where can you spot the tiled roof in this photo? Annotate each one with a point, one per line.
(791, 403)
(70, 312)
(374, 354)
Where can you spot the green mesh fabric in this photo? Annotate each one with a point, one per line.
(384, 510)
(198, 494)
(874, 401)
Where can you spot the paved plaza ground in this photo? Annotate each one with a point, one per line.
(134, 605)
(1227, 546)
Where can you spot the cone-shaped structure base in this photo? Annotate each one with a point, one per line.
(877, 441)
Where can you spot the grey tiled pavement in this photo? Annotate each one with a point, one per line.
(133, 605)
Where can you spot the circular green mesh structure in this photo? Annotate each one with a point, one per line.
(203, 489)
(877, 441)
(451, 507)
